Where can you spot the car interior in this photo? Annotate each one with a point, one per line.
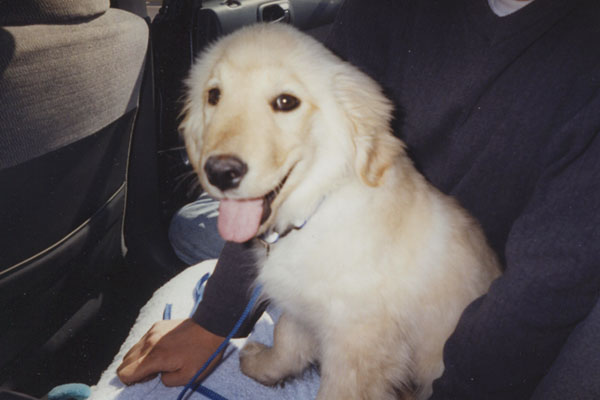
(92, 168)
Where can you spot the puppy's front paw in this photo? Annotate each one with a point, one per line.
(256, 362)
(252, 349)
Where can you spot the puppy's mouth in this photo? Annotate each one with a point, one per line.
(240, 219)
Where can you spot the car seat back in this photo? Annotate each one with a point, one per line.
(70, 74)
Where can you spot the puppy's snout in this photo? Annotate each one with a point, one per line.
(225, 171)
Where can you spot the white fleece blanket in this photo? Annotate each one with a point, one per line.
(227, 380)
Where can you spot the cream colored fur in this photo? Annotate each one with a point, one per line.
(375, 281)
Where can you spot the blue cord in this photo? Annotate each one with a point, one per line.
(198, 386)
(167, 311)
(198, 292)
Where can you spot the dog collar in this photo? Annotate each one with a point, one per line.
(271, 236)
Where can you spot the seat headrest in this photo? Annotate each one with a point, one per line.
(32, 12)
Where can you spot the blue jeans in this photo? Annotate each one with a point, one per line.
(193, 231)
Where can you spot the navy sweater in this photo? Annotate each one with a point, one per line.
(502, 113)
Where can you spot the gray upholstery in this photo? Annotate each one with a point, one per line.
(61, 83)
(70, 79)
(27, 12)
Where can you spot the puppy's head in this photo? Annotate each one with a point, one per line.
(273, 121)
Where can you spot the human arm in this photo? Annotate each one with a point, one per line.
(507, 340)
(177, 349)
(227, 292)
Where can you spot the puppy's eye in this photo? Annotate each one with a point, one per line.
(285, 102)
(214, 95)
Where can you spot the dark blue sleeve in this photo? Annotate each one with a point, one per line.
(506, 341)
(228, 291)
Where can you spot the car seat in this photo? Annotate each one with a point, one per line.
(70, 76)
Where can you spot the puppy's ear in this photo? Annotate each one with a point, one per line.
(190, 129)
(192, 114)
(369, 113)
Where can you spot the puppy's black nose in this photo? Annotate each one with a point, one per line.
(225, 171)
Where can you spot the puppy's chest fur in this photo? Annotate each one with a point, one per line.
(378, 254)
(331, 268)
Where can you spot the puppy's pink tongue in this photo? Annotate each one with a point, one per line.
(239, 219)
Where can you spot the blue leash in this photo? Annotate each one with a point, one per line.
(199, 291)
(198, 387)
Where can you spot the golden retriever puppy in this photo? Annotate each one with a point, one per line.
(371, 265)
